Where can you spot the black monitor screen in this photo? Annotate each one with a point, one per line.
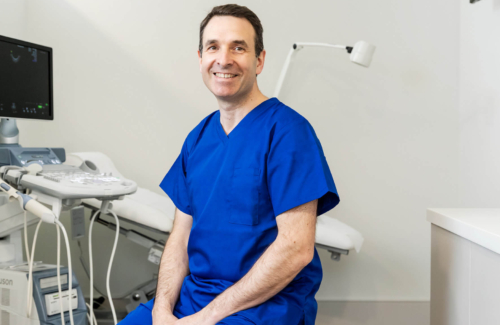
(25, 80)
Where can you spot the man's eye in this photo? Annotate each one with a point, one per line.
(239, 48)
(211, 47)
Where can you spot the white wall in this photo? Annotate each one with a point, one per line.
(127, 84)
(12, 18)
(480, 104)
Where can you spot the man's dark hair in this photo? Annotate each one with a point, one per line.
(239, 12)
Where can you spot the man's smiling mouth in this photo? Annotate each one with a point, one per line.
(225, 75)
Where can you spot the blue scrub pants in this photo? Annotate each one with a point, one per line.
(142, 315)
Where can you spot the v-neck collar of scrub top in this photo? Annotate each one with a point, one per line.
(254, 113)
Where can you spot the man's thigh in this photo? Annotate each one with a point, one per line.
(235, 319)
(142, 315)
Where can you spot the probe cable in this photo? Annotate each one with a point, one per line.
(58, 264)
(110, 299)
(88, 315)
(70, 272)
(26, 236)
(26, 246)
(30, 273)
(59, 282)
(31, 257)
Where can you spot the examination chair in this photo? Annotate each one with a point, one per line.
(155, 212)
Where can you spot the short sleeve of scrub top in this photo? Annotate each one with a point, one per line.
(297, 171)
(174, 183)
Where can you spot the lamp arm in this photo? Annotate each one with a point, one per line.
(283, 72)
(343, 47)
(297, 46)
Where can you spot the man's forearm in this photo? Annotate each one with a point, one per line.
(174, 267)
(272, 272)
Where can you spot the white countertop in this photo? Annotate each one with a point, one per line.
(481, 226)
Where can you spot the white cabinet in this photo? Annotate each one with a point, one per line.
(465, 266)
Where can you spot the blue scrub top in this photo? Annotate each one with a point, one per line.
(234, 186)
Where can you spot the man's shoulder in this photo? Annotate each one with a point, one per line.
(284, 116)
(195, 133)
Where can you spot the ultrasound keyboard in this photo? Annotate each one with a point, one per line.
(69, 182)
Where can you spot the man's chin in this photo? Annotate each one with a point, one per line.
(225, 95)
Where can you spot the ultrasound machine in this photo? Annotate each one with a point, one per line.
(37, 184)
(39, 293)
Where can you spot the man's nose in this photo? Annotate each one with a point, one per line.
(225, 58)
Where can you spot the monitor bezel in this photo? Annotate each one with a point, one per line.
(50, 117)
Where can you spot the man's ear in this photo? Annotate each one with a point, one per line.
(260, 62)
(199, 58)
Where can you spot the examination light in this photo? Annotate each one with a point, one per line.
(361, 53)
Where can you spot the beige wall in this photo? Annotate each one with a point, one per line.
(127, 84)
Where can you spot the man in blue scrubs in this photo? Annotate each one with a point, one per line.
(248, 185)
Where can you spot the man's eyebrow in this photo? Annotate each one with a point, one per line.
(210, 41)
(242, 42)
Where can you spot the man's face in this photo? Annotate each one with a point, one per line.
(228, 63)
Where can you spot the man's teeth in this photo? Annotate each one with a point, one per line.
(224, 75)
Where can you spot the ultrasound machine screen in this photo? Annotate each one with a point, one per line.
(25, 80)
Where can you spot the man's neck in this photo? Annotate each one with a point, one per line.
(231, 113)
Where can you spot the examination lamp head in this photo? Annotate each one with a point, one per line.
(362, 53)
